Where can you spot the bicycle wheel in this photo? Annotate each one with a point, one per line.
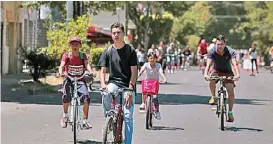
(222, 113)
(75, 115)
(109, 128)
(148, 113)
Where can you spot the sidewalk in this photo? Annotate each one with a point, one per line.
(12, 79)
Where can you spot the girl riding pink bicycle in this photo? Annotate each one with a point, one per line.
(153, 72)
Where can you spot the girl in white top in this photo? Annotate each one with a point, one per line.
(153, 72)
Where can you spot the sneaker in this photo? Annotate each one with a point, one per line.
(64, 122)
(142, 108)
(86, 124)
(230, 117)
(157, 115)
(212, 101)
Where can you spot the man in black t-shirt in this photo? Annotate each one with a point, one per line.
(222, 58)
(121, 60)
(186, 55)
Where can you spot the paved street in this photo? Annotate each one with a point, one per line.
(186, 116)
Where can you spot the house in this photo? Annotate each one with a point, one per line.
(12, 17)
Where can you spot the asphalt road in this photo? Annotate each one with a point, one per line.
(186, 116)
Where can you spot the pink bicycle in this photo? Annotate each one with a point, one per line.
(150, 89)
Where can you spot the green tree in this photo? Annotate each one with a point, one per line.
(227, 15)
(151, 14)
(258, 26)
(192, 24)
(60, 5)
(61, 33)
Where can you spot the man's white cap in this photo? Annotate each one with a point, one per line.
(214, 40)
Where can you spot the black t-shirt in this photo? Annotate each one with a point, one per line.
(119, 62)
(222, 63)
(186, 52)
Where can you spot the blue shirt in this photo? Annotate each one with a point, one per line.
(222, 63)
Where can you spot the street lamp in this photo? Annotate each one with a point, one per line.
(118, 12)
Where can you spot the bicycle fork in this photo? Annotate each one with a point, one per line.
(119, 124)
(219, 105)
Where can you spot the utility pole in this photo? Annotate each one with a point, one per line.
(69, 10)
(126, 17)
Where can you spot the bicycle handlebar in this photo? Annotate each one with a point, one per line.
(74, 78)
(222, 78)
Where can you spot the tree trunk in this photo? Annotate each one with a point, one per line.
(147, 26)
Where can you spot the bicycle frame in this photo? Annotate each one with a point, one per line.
(223, 91)
(75, 102)
(150, 96)
(116, 112)
(186, 60)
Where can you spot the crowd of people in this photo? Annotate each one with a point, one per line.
(126, 64)
(169, 56)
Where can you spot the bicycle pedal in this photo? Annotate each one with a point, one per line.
(214, 108)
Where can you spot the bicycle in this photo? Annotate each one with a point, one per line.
(171, 62)
(203, 62)
(149, 88)
(186, 63)
(114, 119)
(75, 118)
(221, 109)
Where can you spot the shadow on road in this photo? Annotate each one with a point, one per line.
(168, 83)
(166, 128)
(164, 99)
(88, 142)
(236, 129)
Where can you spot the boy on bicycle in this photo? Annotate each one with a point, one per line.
(75, 63)
(153, 71)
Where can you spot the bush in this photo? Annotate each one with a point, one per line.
(95, 54)
(37, 62)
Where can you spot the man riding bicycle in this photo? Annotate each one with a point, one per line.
(186, 55)
(222, 58)
(121, 60)
(75, 63)
(202, 51)
(171, 58)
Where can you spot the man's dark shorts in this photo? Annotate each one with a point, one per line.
(68, 89)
